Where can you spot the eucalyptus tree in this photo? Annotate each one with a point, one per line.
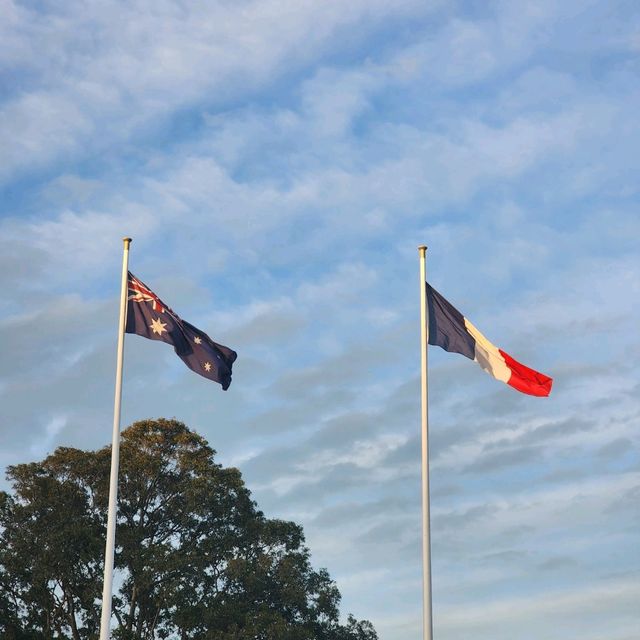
(195, 557)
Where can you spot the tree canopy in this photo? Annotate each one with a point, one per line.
(195, 557)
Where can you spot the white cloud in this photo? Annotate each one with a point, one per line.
(135, 64)
(277, 164)
(561, 607)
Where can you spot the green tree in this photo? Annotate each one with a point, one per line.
(195, 557)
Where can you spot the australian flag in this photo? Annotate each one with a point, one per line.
(148, 316)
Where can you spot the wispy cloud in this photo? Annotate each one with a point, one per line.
(277, 164)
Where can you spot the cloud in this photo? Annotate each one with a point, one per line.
(505, 458)
(133, 67)
(589, 601)
(277, 166)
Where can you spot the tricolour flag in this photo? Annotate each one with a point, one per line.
(148, 316)
(449, 329)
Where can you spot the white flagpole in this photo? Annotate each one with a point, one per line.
(427, 619)
(105, 621)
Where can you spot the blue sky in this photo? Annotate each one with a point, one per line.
(277, 165)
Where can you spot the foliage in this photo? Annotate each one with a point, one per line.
(195, 558)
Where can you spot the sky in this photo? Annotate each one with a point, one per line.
(277, 164)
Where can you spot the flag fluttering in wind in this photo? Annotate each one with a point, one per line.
(449, 329)
(148, 316)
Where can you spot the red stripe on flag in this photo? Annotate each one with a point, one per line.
(527, 380)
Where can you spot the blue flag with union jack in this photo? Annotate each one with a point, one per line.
(148, 316)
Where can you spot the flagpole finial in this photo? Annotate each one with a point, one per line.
(127, 242)
(422, 248)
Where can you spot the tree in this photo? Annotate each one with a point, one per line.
(195, 557)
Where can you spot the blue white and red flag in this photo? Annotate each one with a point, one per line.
(452, 331)
(148, 316)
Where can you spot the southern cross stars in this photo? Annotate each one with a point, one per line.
(157, 326)
(207, 366)
(197, 339)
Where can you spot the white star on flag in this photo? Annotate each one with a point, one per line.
(207, 366)
(158, 327)
(197, 339)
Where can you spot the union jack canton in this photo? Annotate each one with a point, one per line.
(148, 316)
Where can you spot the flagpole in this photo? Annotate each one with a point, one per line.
(427, 619)
(105, 621)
